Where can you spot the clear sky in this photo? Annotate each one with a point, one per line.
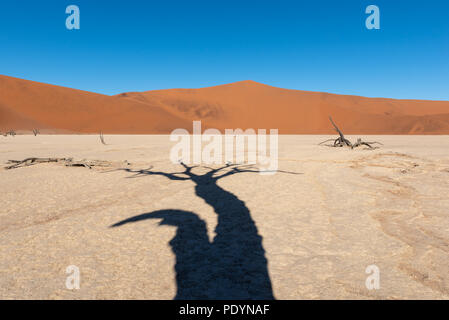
(139, 45)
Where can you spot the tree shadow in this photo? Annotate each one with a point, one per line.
(233, 265)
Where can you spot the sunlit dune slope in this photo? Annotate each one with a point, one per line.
(248, 104)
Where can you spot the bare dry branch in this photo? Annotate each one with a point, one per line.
(68, 162)
(102, 138)
(341, 141)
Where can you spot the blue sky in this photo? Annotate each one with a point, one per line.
(137, 45)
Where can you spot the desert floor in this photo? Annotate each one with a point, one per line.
(342, 211)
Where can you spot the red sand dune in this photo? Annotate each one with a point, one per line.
(25, 105)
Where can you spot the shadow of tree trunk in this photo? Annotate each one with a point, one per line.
(233, 265)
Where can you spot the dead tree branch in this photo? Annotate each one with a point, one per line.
(341, 141)
(68, 162)
(31, 161)
(102, 138)
(359, 143)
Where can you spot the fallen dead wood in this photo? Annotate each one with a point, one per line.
(30, 161)
(359, 143)
(68, 162)
(341, 141)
